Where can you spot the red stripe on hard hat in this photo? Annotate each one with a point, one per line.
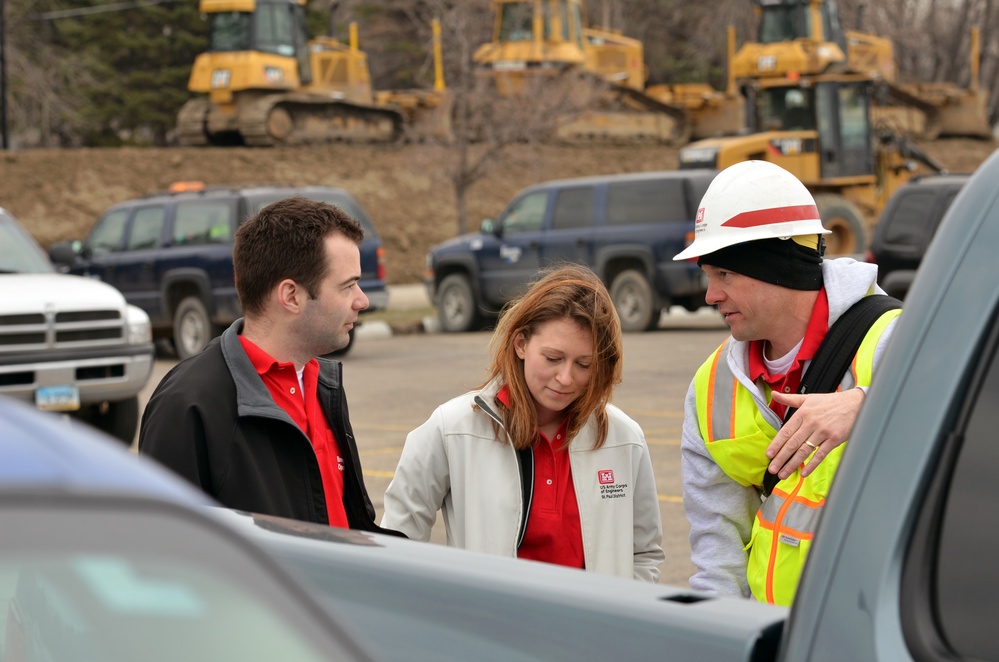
(752, 219)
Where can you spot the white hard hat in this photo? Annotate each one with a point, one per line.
(752, 200)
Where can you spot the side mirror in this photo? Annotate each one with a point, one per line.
(489, 227)
(65, 252)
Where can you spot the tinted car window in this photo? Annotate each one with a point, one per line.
(573, 208)
(351, 208)
(908, 224)
(147, 228)
(106, 236)
(967, 586)
(646, 202)
(345, 203)
(202, 222)
(527, 214)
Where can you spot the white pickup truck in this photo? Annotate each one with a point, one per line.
(69, 343)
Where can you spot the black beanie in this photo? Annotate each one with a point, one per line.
(782, 262)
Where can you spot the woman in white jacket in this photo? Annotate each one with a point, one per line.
(538, 464)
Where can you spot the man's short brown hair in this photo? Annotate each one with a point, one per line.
(286, 239)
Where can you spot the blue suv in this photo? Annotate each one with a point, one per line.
(170, 254)
(625, 227)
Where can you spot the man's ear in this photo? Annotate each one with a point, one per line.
(290, 295)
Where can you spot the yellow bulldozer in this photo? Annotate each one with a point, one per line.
(264, 82)
(539, 44)
(804, 37)
(822, 104)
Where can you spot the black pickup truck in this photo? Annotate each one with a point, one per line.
(627, 228)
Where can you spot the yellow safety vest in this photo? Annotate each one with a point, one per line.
(737, 434)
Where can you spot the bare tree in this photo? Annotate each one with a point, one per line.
(484, 121)
(45, 107)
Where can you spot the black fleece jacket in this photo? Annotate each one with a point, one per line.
(212, 420)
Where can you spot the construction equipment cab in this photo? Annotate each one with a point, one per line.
(267, 83)
(815, 106)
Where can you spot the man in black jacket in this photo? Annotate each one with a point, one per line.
(256, 420)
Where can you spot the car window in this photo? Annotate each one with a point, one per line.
(646, 202)
(573, 208)
(527, 214)
(351, 207)
(344, 202)
(114, 583)
(108, 233)
(966, 584)
(147, 228)
(202, 222)
(908, 224)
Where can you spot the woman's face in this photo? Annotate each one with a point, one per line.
(558, 362)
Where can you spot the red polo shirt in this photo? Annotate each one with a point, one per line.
(553, 532)
(281, 380)
(815, 333)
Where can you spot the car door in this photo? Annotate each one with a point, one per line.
(509, 265)
(103, 247)
(135, 275)
(844, 130)
(570, 238)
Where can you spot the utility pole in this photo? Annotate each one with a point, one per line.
(3, 78)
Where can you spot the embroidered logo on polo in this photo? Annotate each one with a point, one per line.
(608, 488)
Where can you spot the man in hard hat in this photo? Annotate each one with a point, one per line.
(758, 239)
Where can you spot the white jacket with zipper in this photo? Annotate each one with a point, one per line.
(455, 464)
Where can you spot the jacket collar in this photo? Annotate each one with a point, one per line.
(486, 397)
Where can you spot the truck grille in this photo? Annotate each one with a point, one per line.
(65, 330)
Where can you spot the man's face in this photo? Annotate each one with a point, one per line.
(753, 309)
(328, 319)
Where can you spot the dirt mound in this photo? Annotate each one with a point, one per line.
(407, 190)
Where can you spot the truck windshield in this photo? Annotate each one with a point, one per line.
(275, 29)
(787, 109)
(782, 23)
(231, 31)
(19, 252)
(271, 29)
(517, 21)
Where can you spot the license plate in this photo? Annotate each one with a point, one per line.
(58, 398)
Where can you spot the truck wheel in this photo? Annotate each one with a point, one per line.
(634, 301)
(118, 419)
(192, 329)
(456, 305)
(842, 218)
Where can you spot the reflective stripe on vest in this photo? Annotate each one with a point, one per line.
(737, 426)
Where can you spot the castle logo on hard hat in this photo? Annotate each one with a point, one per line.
(774, 215)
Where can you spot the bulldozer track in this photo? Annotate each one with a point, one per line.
(191, 123)
(299, 119)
